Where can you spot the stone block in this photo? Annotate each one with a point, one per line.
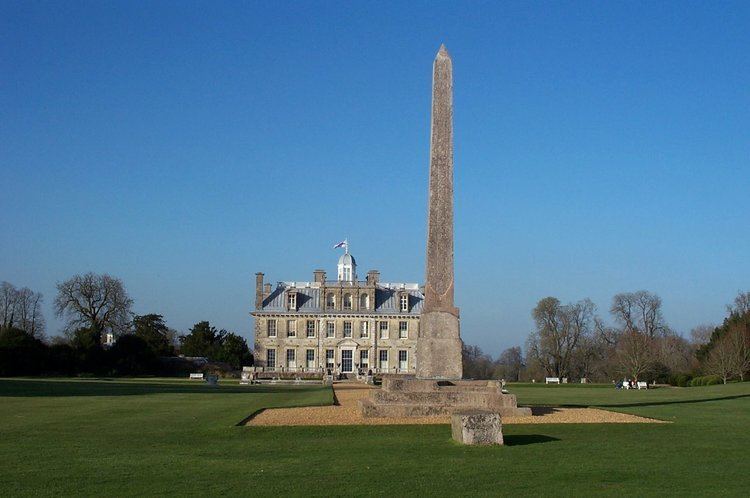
(439, 347)
(477, 427)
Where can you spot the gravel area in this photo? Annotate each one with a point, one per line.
(347, 412)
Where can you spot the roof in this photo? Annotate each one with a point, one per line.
(309, 299)
(347, 259)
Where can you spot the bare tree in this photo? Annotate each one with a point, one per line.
(559, 329)
(635, 353)
(701, 334)
(509, 364)
(28, 313)
(639, 311)
(675, 352)
(476, 364)
(8, 298)
(22, 309)
(741, 304)
(738, 338)
(641, 324)
(97, 302)
(720, 359)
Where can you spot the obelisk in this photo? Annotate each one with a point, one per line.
(439, 341)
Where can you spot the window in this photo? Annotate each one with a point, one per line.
(310, 357)
(330, 360)
(347, 329)
(383, 359)
(311, 328)
(403, 330)
(271, 327)
(347, 301)
(330, 300)
(330, 329)
(291, 301)
(291, 358)
(403, 360)
(364, 302)
(291, 328)
(364, 359)
(271, 358)
(383, 330)
(404, 302)
(364, 329)
(347, 273)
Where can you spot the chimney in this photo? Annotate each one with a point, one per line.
(319, 276)
(258, 290)
(373, 277)
(266, 289)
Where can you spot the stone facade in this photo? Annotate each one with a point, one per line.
(347, 326)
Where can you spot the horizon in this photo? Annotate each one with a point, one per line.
(598, 150)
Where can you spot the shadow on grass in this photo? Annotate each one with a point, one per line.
(110, 387)
(524, 439)
(675, 402)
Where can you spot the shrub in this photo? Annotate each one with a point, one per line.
(680, 380)
(705, 380)
(20, 353)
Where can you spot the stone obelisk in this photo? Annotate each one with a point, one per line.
(439, 342)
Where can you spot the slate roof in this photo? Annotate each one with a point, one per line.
(309, 299)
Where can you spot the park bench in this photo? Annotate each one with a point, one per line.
(196, 376)
(552, 380)
(642, 385)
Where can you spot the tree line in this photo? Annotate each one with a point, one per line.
(572, 340)
(96, 307)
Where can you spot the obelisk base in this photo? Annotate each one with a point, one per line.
(439, 347)
(404, 398)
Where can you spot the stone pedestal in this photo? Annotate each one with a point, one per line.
(439, 347)
(401, 397)
(476, 427)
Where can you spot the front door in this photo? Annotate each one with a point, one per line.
(346, 361)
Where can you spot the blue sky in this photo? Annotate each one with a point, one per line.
(600, 147)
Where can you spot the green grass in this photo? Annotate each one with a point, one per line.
(171, 437)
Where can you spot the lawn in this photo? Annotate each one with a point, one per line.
(157, 437)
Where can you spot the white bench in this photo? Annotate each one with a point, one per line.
(196, 376)
(552, 380)
(642, 385)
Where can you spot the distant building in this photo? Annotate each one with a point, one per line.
(344, 325)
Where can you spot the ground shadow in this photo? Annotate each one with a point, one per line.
(675, 402)
(117, 387)
(524, 439)
(543, 410)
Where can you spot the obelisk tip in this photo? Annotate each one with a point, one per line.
(443, 52)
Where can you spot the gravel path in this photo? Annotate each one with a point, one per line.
(346, 412)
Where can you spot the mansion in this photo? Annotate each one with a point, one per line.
(344, 325)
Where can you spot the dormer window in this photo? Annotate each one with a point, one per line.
(291, 301)
(404, 302)
(364, 302)
(347, 301)
(330, 300)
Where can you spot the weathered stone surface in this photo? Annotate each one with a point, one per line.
(477, 427)
(439, 278)
(438, 390)
(439, 343)
(439, 347)
(424, 398)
